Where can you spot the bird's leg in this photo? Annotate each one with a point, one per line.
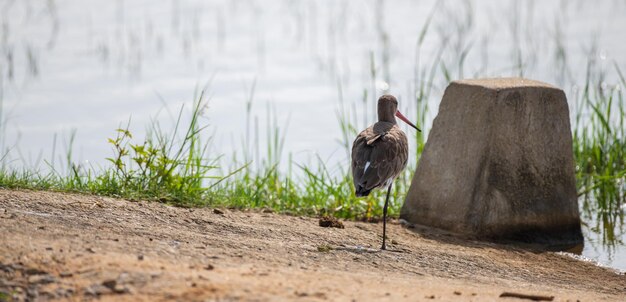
(384, 247)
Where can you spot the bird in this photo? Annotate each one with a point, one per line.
(380, 153)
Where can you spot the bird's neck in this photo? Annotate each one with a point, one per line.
(386, 116)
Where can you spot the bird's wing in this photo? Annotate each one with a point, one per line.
(378, 156)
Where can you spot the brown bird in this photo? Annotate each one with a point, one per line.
(380, 153)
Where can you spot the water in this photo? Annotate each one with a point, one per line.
(92, 65)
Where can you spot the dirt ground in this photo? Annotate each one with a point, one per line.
(77, 247)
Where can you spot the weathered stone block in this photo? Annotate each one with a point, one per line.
(498, 163)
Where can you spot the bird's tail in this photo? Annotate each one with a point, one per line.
(361, 191)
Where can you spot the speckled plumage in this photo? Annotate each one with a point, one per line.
(386, 149)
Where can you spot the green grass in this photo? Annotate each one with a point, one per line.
(177, 168)
(599, 138)
(174, 168)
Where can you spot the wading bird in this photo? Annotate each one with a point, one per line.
(380, 153)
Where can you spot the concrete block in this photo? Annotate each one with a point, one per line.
(498, 164)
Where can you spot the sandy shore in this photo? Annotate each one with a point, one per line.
(77, 247)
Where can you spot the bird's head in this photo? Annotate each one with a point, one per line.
(388, 110)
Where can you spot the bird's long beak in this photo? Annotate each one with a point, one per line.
(406, 120)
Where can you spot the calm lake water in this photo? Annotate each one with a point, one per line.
(90, 66)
